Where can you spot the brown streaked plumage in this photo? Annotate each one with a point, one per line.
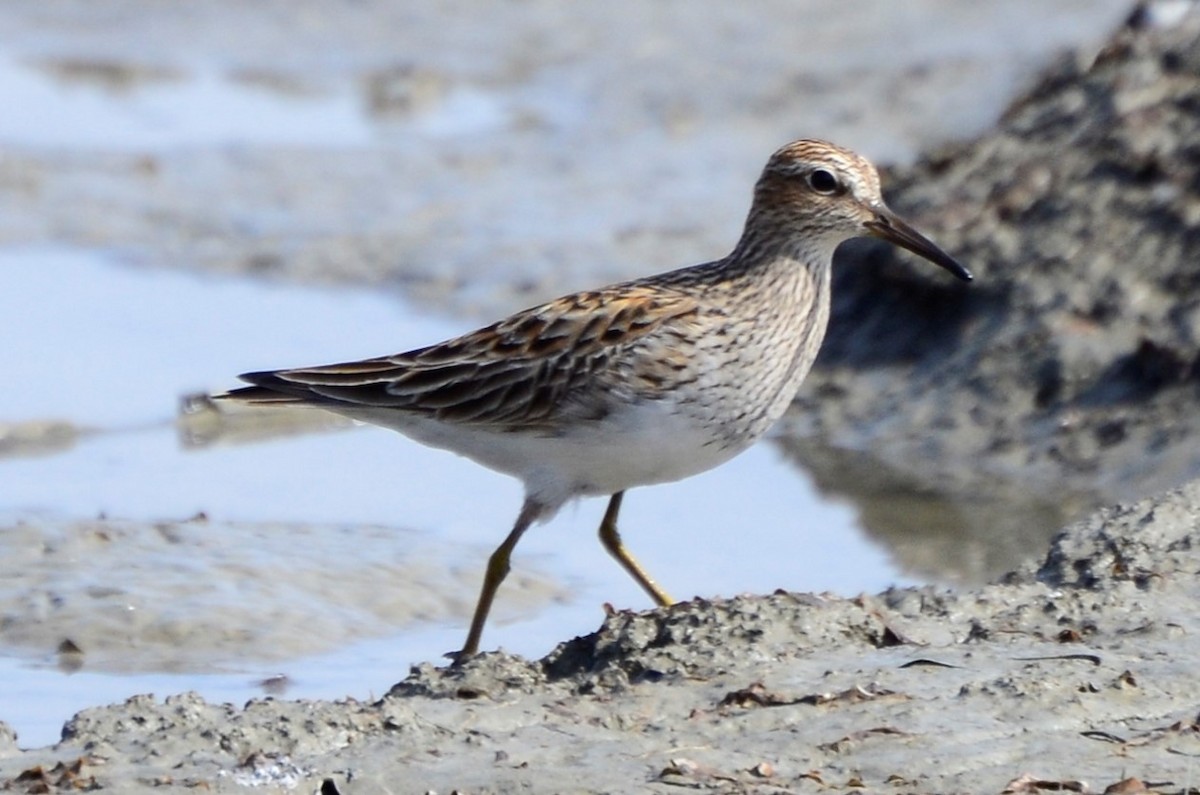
(642, 382)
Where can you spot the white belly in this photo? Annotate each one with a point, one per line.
(635, 446)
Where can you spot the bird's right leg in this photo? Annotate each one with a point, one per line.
(497, 570)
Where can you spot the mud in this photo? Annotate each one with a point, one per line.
(1076, 674)
(206, 595)
(1071, 364)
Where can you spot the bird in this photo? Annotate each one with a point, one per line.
(638, 383)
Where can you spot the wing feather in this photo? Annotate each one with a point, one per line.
(527, 369)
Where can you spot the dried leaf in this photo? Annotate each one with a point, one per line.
(922, 662)
(1032, 784)
(1126, 679)
(1104, 737)
(763, 770)
(837, 746)
(756, 695)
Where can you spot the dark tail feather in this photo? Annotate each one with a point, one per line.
(267, 388)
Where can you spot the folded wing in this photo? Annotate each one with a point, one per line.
(526, 370)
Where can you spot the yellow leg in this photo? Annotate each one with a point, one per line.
(611, 539)
(497, 570)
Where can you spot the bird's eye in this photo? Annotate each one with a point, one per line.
(823, 181)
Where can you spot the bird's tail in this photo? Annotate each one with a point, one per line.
(258, 395)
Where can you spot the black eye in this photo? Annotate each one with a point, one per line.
(823, 181)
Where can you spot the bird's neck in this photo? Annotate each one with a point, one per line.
(774, 261)
(766, 241)
(783, 289)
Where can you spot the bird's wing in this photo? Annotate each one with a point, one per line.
(528, 369)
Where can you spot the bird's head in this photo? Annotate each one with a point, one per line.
(818, 194)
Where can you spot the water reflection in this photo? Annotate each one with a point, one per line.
(201, 423)
(27, 438)
(966, 532)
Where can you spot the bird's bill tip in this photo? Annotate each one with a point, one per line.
(890, 227)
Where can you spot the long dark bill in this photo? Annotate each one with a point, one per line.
(894, 229)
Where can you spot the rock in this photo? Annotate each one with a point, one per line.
(1072, 362)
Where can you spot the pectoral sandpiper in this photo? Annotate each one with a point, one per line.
(643, 382)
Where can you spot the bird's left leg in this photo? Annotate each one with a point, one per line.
(611, 539)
